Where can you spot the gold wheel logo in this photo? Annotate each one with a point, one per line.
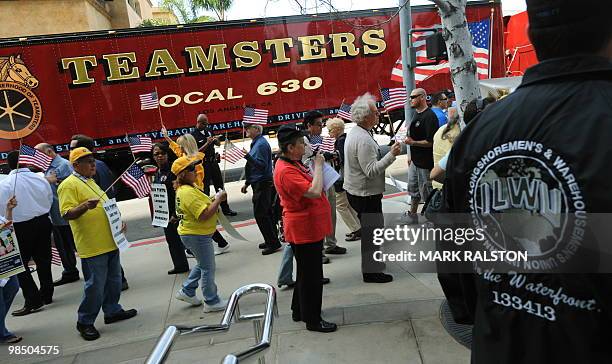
(20, 108)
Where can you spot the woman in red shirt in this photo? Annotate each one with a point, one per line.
(306, 222)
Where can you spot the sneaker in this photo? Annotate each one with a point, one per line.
(219, 306)
(220, 250)
(181, 296)
(325, 260)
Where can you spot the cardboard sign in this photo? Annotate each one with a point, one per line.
(114, 219)
(161, 211)
(10, 259)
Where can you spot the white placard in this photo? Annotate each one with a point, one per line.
(161, 211)
(330, 176)
(114, 219)
(401, 134)
(10, 259)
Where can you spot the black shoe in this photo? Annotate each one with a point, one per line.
(322, 326)
(325, 260)
(178, 271)
(26, 310)
(377, 278)
(271, 250)
(65, 280)
(288, 285)
(338, 250)
(120, 316)
(88, 332)
(189, 254)
(124, 286)
(325, 280)
(262, 246)
(230, 212)
(48, 301)
(295, 318)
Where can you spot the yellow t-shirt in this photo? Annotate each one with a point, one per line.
(190, 202)
(91, 231)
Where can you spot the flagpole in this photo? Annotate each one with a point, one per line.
(127, 139)
(386, 113)
(342, 103)
(243, 107)
(491, 40)
(118, 178)
(17, 170)
(225, 158)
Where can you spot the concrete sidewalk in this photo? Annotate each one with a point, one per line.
(394, 322)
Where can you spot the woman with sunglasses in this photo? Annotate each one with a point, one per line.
(187, 146)
(197, 215)
(163, 157)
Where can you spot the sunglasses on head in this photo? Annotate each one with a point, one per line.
(190, 168)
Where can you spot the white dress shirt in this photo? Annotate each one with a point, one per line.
(34, 195)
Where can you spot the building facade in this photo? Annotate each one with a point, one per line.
(68, 16)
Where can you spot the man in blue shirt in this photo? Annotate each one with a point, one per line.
(59, 170)
(439, 104)
(258, 173)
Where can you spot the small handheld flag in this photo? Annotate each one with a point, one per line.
(393, 98)
(255, 116)
(344, 111)
(149, 101)
(137, 180)
(34, 157)
(140, 144)
(232, 153)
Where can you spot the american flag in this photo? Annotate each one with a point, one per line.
(232, 153)
(34, 157)
(149, 101)
(322, 144)
(140, 144)
(480, 31)
(344, 111)
(136, 179)
(393, 98)
(55, 257)
(255, 116)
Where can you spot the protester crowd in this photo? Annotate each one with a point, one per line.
(291, 205)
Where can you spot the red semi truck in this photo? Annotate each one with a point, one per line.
(55, 86)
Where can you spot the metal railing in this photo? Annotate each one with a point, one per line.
(263, 330)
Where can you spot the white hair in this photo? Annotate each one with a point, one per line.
(360, 109)
(256, 126)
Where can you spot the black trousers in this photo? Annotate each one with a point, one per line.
(308, 291)
(176, 247)
(64, 242)
(212, 175)
(369, 211)
(263, 198)
(34, 238)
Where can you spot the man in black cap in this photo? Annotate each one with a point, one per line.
(553, 132)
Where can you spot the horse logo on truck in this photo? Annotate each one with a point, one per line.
(20, 108)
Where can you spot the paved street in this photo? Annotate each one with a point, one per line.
(379, 323)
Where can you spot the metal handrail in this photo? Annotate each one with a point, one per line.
(263, 335)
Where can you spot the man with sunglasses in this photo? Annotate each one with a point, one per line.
(423, 127)
(439, 105)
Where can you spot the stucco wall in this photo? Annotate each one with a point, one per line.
(35, 17)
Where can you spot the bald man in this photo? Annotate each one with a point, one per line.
(59, 170)
(423, 127)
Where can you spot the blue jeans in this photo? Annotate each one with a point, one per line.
(285, 275)
(7, 294)
(202, 247)
(102, 275)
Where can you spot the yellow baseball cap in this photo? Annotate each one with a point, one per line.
(78, 153)
(183, 162)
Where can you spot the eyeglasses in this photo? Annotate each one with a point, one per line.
(412, 97)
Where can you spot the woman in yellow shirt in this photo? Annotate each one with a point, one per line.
(186, 146)
(197, 215)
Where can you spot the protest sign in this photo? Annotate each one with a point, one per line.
(161, 211)
(114, 219)
(10, 259)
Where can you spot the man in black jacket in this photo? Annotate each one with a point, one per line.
(212, 172)
(552, 134)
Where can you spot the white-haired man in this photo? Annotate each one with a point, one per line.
(423, 127)
(364, 181)
(258, 173)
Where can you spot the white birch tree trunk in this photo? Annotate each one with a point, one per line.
(458, 40)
